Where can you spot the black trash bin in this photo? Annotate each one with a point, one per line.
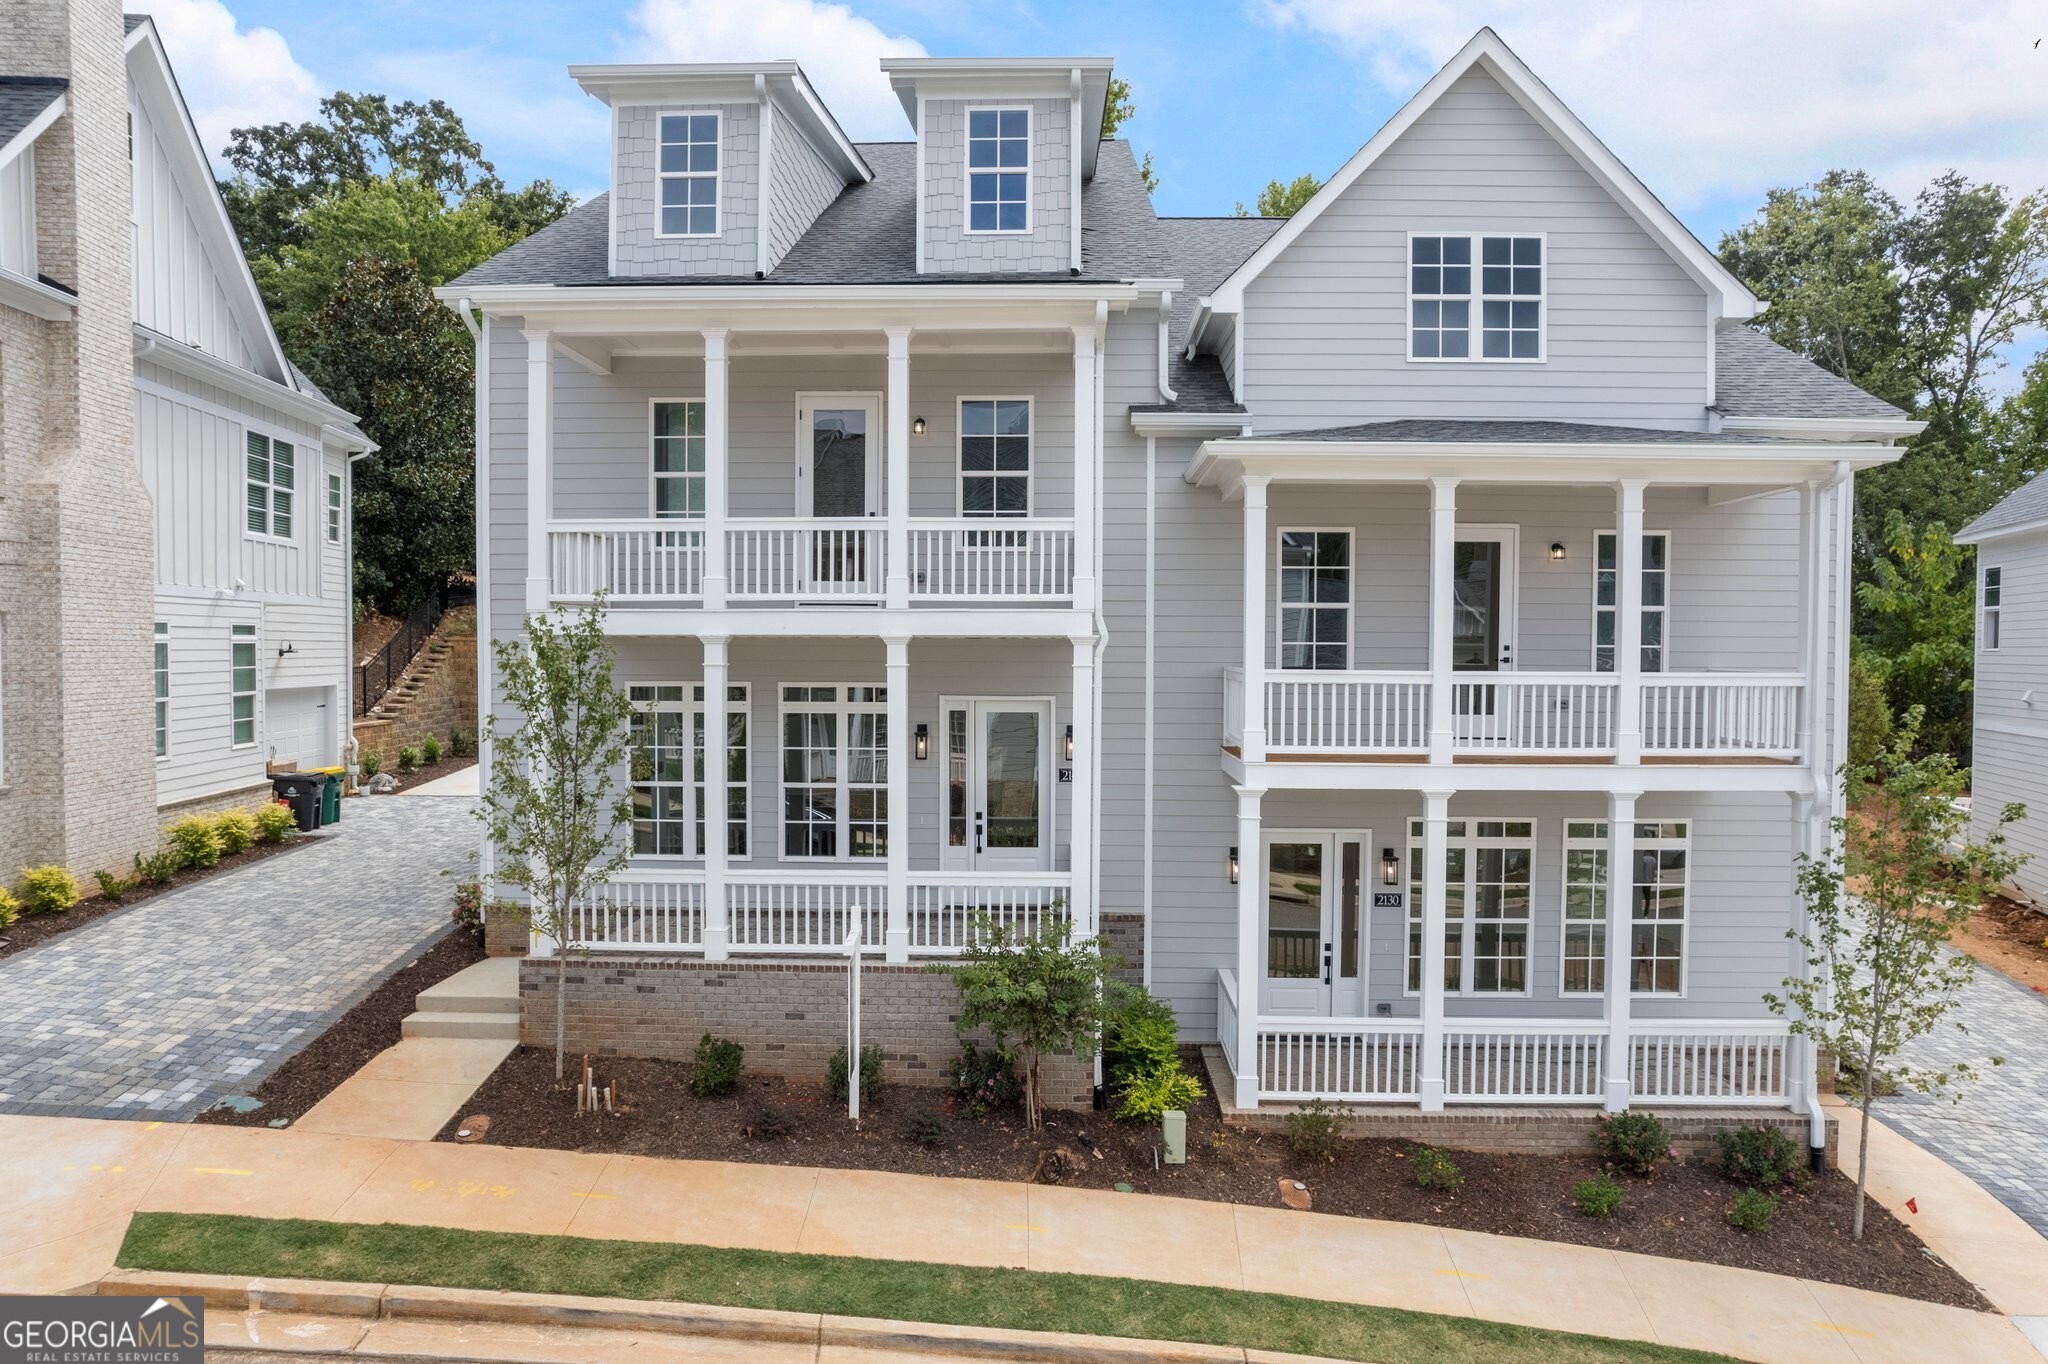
(302, 791)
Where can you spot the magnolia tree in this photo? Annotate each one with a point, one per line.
(1902, 875)
(555, 806)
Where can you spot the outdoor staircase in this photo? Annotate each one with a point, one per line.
(413, 680)
(478, 1001)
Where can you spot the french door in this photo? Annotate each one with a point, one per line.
(1483, 599)
(999, 785)
(1313, 947)
(838, 478)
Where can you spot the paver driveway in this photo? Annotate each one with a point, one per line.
(200, 992)
(1998, 1134)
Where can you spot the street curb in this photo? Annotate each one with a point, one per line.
(312, 1297)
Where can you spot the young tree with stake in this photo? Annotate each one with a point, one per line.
(1880, 975)
(556, 806)
(1042, 990)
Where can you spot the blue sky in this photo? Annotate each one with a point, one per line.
(1710, 103)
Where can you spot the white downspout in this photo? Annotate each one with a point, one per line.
(1151, 686)
(1166, 393)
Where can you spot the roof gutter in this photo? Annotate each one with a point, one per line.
(155, 347)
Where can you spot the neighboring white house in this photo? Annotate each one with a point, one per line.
(180, 618)
(1317, 609)
(2009, 699)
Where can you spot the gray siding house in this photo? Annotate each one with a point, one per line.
(2009, 703)
(1324, 611)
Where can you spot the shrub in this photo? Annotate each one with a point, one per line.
(48, 889)
(926, 1129)
(985, 1081)
(1153, 1092)
(1315, 1129)
(461, 743)
(236, 830)
(717, 1069)
(1598, 1196)
(409, 758)
(194, 841)
(1044, 989)
(469, 908)
(275, 822)
(870, 1074)
(9, 910)
(1634, 1142)
(372, 763)
(430, 750)
(766, 1122)
(158, 868)
(112, 886)
(1760, 1156)
(1433, 1169)
(1139, 1034)
(1751, 1211)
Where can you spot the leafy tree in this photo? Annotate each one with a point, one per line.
(1870, 712)
(1118, 109)
(555, 807)
(1880, 975)
(1921, 604)
(1278, 200)
(1038, 988)
(383, 348)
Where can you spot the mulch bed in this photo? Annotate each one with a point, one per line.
(425, 772)
(365, 1030)
(1679, 1213)
(34, 931)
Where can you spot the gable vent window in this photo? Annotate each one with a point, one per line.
(998, 170)
(1445, 289)
(689, 175)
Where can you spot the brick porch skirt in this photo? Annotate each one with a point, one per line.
(789, 1014)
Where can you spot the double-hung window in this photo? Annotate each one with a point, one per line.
(1445, 290)
(334, 509)
(995, 457)
(998, 170)
(689, 175)
(1656, 598)
(271, 477)
(669, 798)
(1987, 634)
(1658, 900)
(1315, 599)
(242, 685)
(835, 772)
(162, 670)
(678, 456)
(1585, 907)
(1487, 901)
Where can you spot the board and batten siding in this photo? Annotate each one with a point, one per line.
(1326, 332)
(178, 290)
(639, 248)
(2010, 749)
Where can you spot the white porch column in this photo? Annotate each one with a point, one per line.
(896, 938)
(1087, 432)
(1436, 813)
(539, 465)
(716, 464)
(1254, 742)
(1628, 621)
(1251, 921)
(1801, 1060)
(896, 477)
(1812, 618)
(1443, 549)
(1621, 845)
(1081, 803)
(717, 917)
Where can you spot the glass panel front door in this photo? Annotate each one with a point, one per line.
(836, 481)
(839, 461)
(1476, 580)
(1007, 787)
(1314, 947)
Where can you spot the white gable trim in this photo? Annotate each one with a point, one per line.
(37, 126)
(1729, 297)
(156, 86)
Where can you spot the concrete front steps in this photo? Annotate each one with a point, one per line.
(480, 1001)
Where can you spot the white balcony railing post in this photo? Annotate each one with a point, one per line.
(1628, 621)
(896, 939)
(716, 924)
(539, 437)
(1621, 879)
(1253, 748)
(717, 466)
(896, 475)
(1436, 811)
(1443, 537)
(1251, 904)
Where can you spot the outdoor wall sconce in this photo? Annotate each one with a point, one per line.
(924, 741)
(1233, 864)
(1557, 551)
(1070, 743)
(917, 427)
(1390, 867)
(285, 649)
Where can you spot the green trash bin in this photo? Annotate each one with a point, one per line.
(330, 795)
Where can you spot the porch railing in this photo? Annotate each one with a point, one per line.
(626, 560)
(805, 560)
(1715, 715)
(1226, 1015)
(1365, 1060)
(1532, 714)
(1708, 1063)
(992, 559)
(642, 911)
(779, 912)
(1233, 707)
(1350, 712)
(945, 907)
(1521, 1062)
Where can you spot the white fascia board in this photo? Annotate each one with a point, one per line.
(1826, 428)
(154, 348)
(1648, 778)
(697, 82)
(1224, 464)
(850, 622)
(1488, 52)
(35, 298)
(816, 119)
(37, 126)
(1982, 537)
(976, 78)
(1191, 423)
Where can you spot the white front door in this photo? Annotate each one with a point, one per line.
(1483, 590)
(999, 768)
(1314, 945)
(839, 478)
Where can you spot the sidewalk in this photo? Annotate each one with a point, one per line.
(68, 1185)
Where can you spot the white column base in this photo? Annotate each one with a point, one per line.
(1247, 1095)
(896, 946)
(536, 595)
(1433, 1095)
(1618, 1097)
(716, 946)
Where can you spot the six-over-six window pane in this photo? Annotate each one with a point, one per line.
(1315, 599)
(1445, 288)
(689, 175)
(998, 170)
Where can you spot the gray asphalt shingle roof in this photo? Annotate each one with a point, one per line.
(2024, 504)
(1517, 432)
(1754, 376)
(22, 98)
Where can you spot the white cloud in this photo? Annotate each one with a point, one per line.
(511, 105)
(1731, 97)
(837, 49)
(232, 77)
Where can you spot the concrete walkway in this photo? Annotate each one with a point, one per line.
(463, 783)
(67, 1187)
(156, 1011)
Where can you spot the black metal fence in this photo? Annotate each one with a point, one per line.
(376, 677)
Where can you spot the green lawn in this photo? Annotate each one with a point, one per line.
(1021, 1299)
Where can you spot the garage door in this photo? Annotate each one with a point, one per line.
(295, 719)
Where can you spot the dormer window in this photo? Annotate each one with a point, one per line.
(1444, 290)
(689, 175)
(998, 170)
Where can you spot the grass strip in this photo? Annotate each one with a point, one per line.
(844, 1286)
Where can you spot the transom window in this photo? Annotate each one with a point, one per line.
(998, 170)
(689, 175)
(1315, 599)
(669, 801)
(334, 509)
(679, 459)
(1656, 573)
(995, 457)
(271, 479)
(1486, 872)
(1442, 293)
(835, 772)
(1988, 635)
(242, 685)
(162, 669)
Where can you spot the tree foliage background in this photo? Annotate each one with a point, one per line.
(349, 222)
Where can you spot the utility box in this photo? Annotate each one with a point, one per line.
(1173, 1126)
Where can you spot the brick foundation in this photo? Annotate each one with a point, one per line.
(505, 935)
(1126, 937)
(789, 1015)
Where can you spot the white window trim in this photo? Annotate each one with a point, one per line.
(1568, 846)
(967, 170)
(236, 634)
(1470, 921)
(336, 503)
(1670, 576)
(1990, 615)
(1030, 454)
(843, 788)
(1685, 922)
(961, 857)
(806, 404)
(299, 446)
(693, 708)
(717, 177)
(1477, 298)
(1350, 533)
(654, 479)
(160, 640)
